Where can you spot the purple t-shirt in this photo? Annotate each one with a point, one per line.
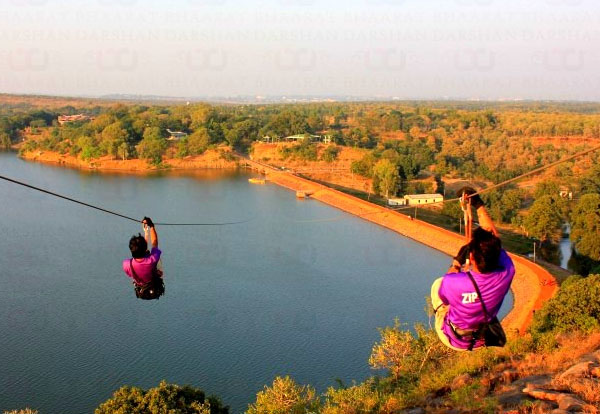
(144, 268)
(465, 310)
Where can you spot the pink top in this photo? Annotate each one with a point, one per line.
(143, 268)
(466, 311)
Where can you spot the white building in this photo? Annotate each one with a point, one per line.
(396, 202)
(176, 135)
(421, 199)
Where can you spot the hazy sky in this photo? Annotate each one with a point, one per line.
(488, 49)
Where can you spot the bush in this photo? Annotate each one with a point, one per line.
(5, 141)
(166, 398)
(405, 354)
(330, 153)
(363, 398)
(364, 166)
(304, 151)
(29, 146)
(575, 307)
(285, 397)
(227, 155)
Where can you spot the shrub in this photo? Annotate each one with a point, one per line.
(359, 399)
(330, 153)
(405, 354)
(5, 141)
(285, 397)
(575, 307)
(364, 166)
(227, 155)
(305, 151)
(166, 398)
(182, 148)
(29, 146)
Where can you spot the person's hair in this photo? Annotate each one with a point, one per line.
(138, 246)
(486, 250)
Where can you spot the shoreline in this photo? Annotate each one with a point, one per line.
(531, 287)
(209, 160)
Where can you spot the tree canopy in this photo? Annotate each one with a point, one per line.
(544, 219)
(166, 398)
(585, 226)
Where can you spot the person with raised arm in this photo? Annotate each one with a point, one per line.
(466, 300)
(143, 266)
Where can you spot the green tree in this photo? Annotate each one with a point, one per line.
(152, 146)
(284, 397)
(198, 141)
(113, 136)
(201, 115)
(511, 202)
(182, 148)
(164, 399)
(590, 183)
(88, 148)
(585, 226)
(543, 188)
(408, 167)
(5, 141)
(575, 307)
(544, 219)
(241, 135)
(364, 166)
(123, 151)
(385, 177)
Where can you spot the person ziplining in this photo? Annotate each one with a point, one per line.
(466, 300)
(144, 266)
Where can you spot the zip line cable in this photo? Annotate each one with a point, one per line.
(112, 212)
(511, 180)
(501, 184)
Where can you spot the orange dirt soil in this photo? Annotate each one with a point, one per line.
(531, 287)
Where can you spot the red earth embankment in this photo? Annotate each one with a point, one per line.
(531, 287)
(211, 159)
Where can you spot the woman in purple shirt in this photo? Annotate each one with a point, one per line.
(143, 265)
(457, 306)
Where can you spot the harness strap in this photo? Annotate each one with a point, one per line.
(485, 312)
(136, 278)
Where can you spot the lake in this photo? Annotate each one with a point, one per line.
(243, 304)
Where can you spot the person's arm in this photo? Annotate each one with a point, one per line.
(455, 268)
(459, 260)
(485, 221)
(153, 236)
